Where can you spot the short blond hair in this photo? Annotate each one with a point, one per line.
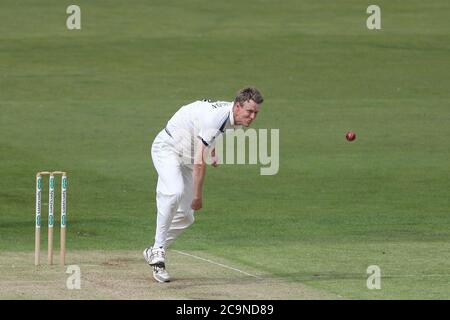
(249, 93)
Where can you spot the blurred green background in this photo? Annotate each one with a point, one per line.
(91, 101)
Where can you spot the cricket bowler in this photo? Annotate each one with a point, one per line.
(178, 153)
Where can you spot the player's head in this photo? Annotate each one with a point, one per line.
(246, 106)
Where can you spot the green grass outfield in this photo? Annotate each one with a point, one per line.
(91, 101)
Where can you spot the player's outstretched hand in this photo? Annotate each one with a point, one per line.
(196, 204)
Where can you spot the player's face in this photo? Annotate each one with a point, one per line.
(246, 112)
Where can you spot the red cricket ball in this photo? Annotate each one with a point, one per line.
(350, 136)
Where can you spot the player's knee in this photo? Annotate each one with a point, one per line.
(177, 194)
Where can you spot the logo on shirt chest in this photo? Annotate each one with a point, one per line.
(215, 104)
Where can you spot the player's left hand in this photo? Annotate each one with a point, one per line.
(215, 162)
(196, 204)
(214, 158)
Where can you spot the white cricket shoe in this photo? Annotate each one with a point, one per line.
(155, 257)
(160, 274)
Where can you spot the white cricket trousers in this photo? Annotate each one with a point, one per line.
(174, 191)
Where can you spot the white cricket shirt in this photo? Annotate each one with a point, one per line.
(204, 120)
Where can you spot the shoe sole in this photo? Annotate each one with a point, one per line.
(158, 264)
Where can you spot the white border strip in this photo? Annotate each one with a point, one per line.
(217, 264)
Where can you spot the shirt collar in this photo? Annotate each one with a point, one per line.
(232, 115)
